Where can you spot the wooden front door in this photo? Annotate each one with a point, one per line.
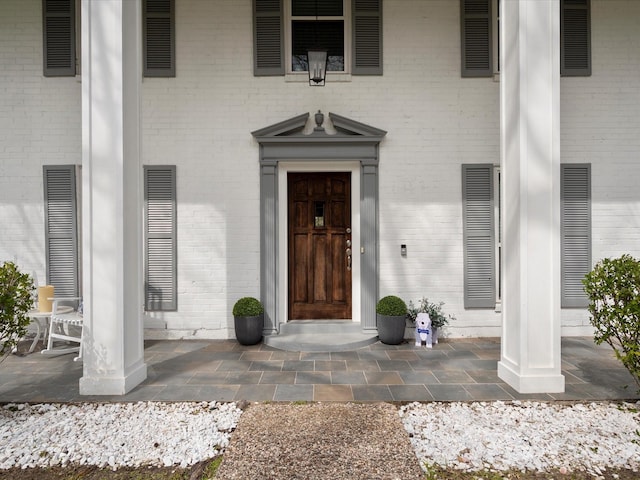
(319, 245)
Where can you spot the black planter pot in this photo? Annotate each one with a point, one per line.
(390, 329)
(249, 329)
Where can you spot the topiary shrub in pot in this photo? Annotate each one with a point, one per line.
(391, 312)
(248, 320)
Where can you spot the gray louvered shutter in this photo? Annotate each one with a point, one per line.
(268, 58)
(575, 227)
(479, 236)
(575, 37)
(61, 229)
(476, 46)
(158, 33)
(161, 266)
(59, 42)
(367, 37)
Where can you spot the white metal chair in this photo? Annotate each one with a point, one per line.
(65, 326)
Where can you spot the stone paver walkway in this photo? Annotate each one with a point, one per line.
(223, 370)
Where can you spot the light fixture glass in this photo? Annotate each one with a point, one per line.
(317, 60)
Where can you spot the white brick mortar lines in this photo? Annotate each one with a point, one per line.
(201, 121)
(39, 125)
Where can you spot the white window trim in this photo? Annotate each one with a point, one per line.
(497, 225)
(495, 40)
(345, 76)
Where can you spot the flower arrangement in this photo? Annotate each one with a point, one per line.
(438, 318)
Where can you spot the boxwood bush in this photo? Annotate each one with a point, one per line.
(391, 306)
(247, 307)
(613, 288)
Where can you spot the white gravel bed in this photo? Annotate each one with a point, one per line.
(498, 436)
(525, 435)
(115, 434)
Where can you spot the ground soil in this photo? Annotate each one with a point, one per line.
(203, 471)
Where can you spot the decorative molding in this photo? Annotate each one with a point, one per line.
(349, 141)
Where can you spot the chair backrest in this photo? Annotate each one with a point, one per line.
(67, 309)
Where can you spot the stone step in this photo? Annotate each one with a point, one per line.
(320, 336)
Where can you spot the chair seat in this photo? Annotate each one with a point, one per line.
(69, 318)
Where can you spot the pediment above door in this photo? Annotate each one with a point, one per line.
(335, 138)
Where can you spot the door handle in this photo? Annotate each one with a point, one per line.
(348, 259)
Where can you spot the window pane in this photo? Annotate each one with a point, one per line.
(326, 34)
(307, 8)
(318, 214)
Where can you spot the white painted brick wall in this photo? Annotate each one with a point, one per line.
(600, 125)
(39, 125)
(201, 121)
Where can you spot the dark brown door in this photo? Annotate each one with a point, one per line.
(319, 245)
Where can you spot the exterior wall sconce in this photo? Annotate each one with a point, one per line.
(317, 58)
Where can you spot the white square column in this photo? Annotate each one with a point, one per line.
(530, 190)
(112, 197)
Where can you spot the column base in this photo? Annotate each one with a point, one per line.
(540, 383)
(113, 384)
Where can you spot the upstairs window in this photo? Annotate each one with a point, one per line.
(158, 34)
(480, 31)
(322, 28)
(59, 40)
(575, 38)
(351, 30)
(476, 22)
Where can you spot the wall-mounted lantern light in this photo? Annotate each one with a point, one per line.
(317, 58)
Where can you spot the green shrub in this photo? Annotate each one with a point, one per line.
(248, 307)
(613, 288)
(16, 299)
(438, 318)
(391, 306)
